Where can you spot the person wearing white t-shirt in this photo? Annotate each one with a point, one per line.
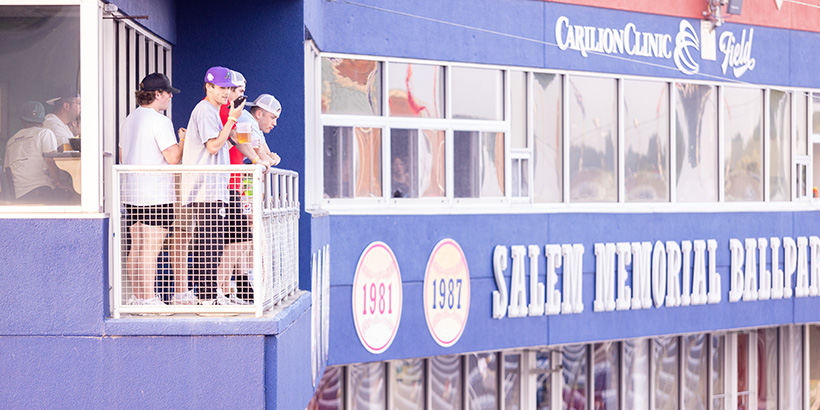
(66, 111)
(147, 138)
(35, 177)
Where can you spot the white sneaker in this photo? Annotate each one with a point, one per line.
(185, 298)
(221, 299)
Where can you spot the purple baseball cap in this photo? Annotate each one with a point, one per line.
(220, 76)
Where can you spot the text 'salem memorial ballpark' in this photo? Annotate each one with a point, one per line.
(581, 208)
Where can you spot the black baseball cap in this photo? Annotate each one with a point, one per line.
(157, 82)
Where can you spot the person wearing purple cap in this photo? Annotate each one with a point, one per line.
(147, 138)
(205, 195)
(35, 177)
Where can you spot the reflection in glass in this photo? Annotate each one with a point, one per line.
(665, 372)
(40, 63)
(743, 369)
(696, 143)
(695, 372)
(547, 130)
(512, 381)
(574, 372)
(408, 384)
(352, 162)
(593, 152)
(646, 140)
(543, 380)
(477, 93)
(482, 383)
(780, 116)
(367, 386)
(416, 90)
(718, 372)
(520, 178)
(518, 109)
(330, 391)
(606, 370)
(793, 367)
(351, 86)
(636, 370)
(416, 163)
(478, 164)
(815, 115)
(445, 382)
(801, 127)
(743, 144)
(767, 353)
(814, 365)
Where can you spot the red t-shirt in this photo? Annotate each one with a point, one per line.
(236, 157)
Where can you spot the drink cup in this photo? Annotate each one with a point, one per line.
(243, 132)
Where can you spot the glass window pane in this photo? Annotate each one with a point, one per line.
(512, 381)
(646, 140)
(352, 162)
(478, 164)
(718, 377)
(767, 354)
(815, 115)
(547, 136)
(543, 380)
(416, 90)
(814, 366)
(780, 117)
(801, 108)
(696, 143)
(743, 144)
(520, 178)
(477, 93)
(665, 372)
(367, 386)
(743, 369)
(445, 386)
(636, 370)
(793, 367)
(351, 86)
(416, 163)
(593, 152)
(606, 370)
(482, 381)
(695, 372)
(40, 105)
(574, 372)
(330, 391)
(408, 384)
(518, 109)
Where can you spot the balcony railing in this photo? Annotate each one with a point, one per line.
(217, 240)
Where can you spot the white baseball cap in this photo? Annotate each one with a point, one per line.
(268, 103)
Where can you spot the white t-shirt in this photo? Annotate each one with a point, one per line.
(60, 129)
(24, 155)
(203, 126)
(144, 134)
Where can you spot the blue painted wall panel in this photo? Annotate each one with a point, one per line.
(412, 238)
(288, 366)
(54, 272)
(132, 372)
(161, 15)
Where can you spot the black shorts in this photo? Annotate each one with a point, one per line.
(237, 228)
(153, 215)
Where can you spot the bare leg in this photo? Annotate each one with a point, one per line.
(231, 258)
(148, 244)
(180, 240)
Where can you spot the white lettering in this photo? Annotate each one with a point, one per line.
(801, 286)
(536, 288)
(553, 254)
(500, 295)
(673, 274)
(659, 274)
(737, 55)
(624, 292)
(518, 287)
(604, 277)
(573, 278)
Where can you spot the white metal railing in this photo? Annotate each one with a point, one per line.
(183, 242)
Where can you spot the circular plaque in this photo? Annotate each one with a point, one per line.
(377, 297)
(446, 292)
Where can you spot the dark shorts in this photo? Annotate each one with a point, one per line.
(153, 215)
(237, 228)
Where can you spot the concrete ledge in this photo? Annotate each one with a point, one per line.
(277, 320)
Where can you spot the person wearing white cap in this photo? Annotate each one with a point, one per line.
(66, 111)
(265, 110)
(35, 177)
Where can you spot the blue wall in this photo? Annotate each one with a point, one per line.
(412, 238)
(522, 33)
(161, 15)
